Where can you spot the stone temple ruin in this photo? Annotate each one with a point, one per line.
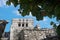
(23, 29)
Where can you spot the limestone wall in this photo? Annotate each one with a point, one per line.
(23, 29)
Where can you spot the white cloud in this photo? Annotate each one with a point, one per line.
(39, 6)
(3, 3)
(16, 12)
(30, 14)
(44, 19)
(57, 24)
(0, 4)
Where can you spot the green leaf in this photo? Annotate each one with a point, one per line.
(8, 3)
(58, 30)
(51, 7)
(52, 23)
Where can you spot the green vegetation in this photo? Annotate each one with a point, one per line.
(39, 8)
(58, 30)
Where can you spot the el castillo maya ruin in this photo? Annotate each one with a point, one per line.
(23, 29)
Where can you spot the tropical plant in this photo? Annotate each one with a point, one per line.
(38, 8)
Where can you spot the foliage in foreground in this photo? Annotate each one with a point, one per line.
(39, 8)
(57, 28)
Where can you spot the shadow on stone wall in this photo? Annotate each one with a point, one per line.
(2, 26)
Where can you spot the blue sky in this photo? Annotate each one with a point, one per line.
(10, 12)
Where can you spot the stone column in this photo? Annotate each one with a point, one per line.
(21, 24)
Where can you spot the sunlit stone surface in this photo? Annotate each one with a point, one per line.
(23, 29)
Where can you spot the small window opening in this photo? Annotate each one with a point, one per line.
(26, 24)
(19, 24)
(22, 25)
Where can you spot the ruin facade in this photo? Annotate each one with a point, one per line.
(23, 29)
